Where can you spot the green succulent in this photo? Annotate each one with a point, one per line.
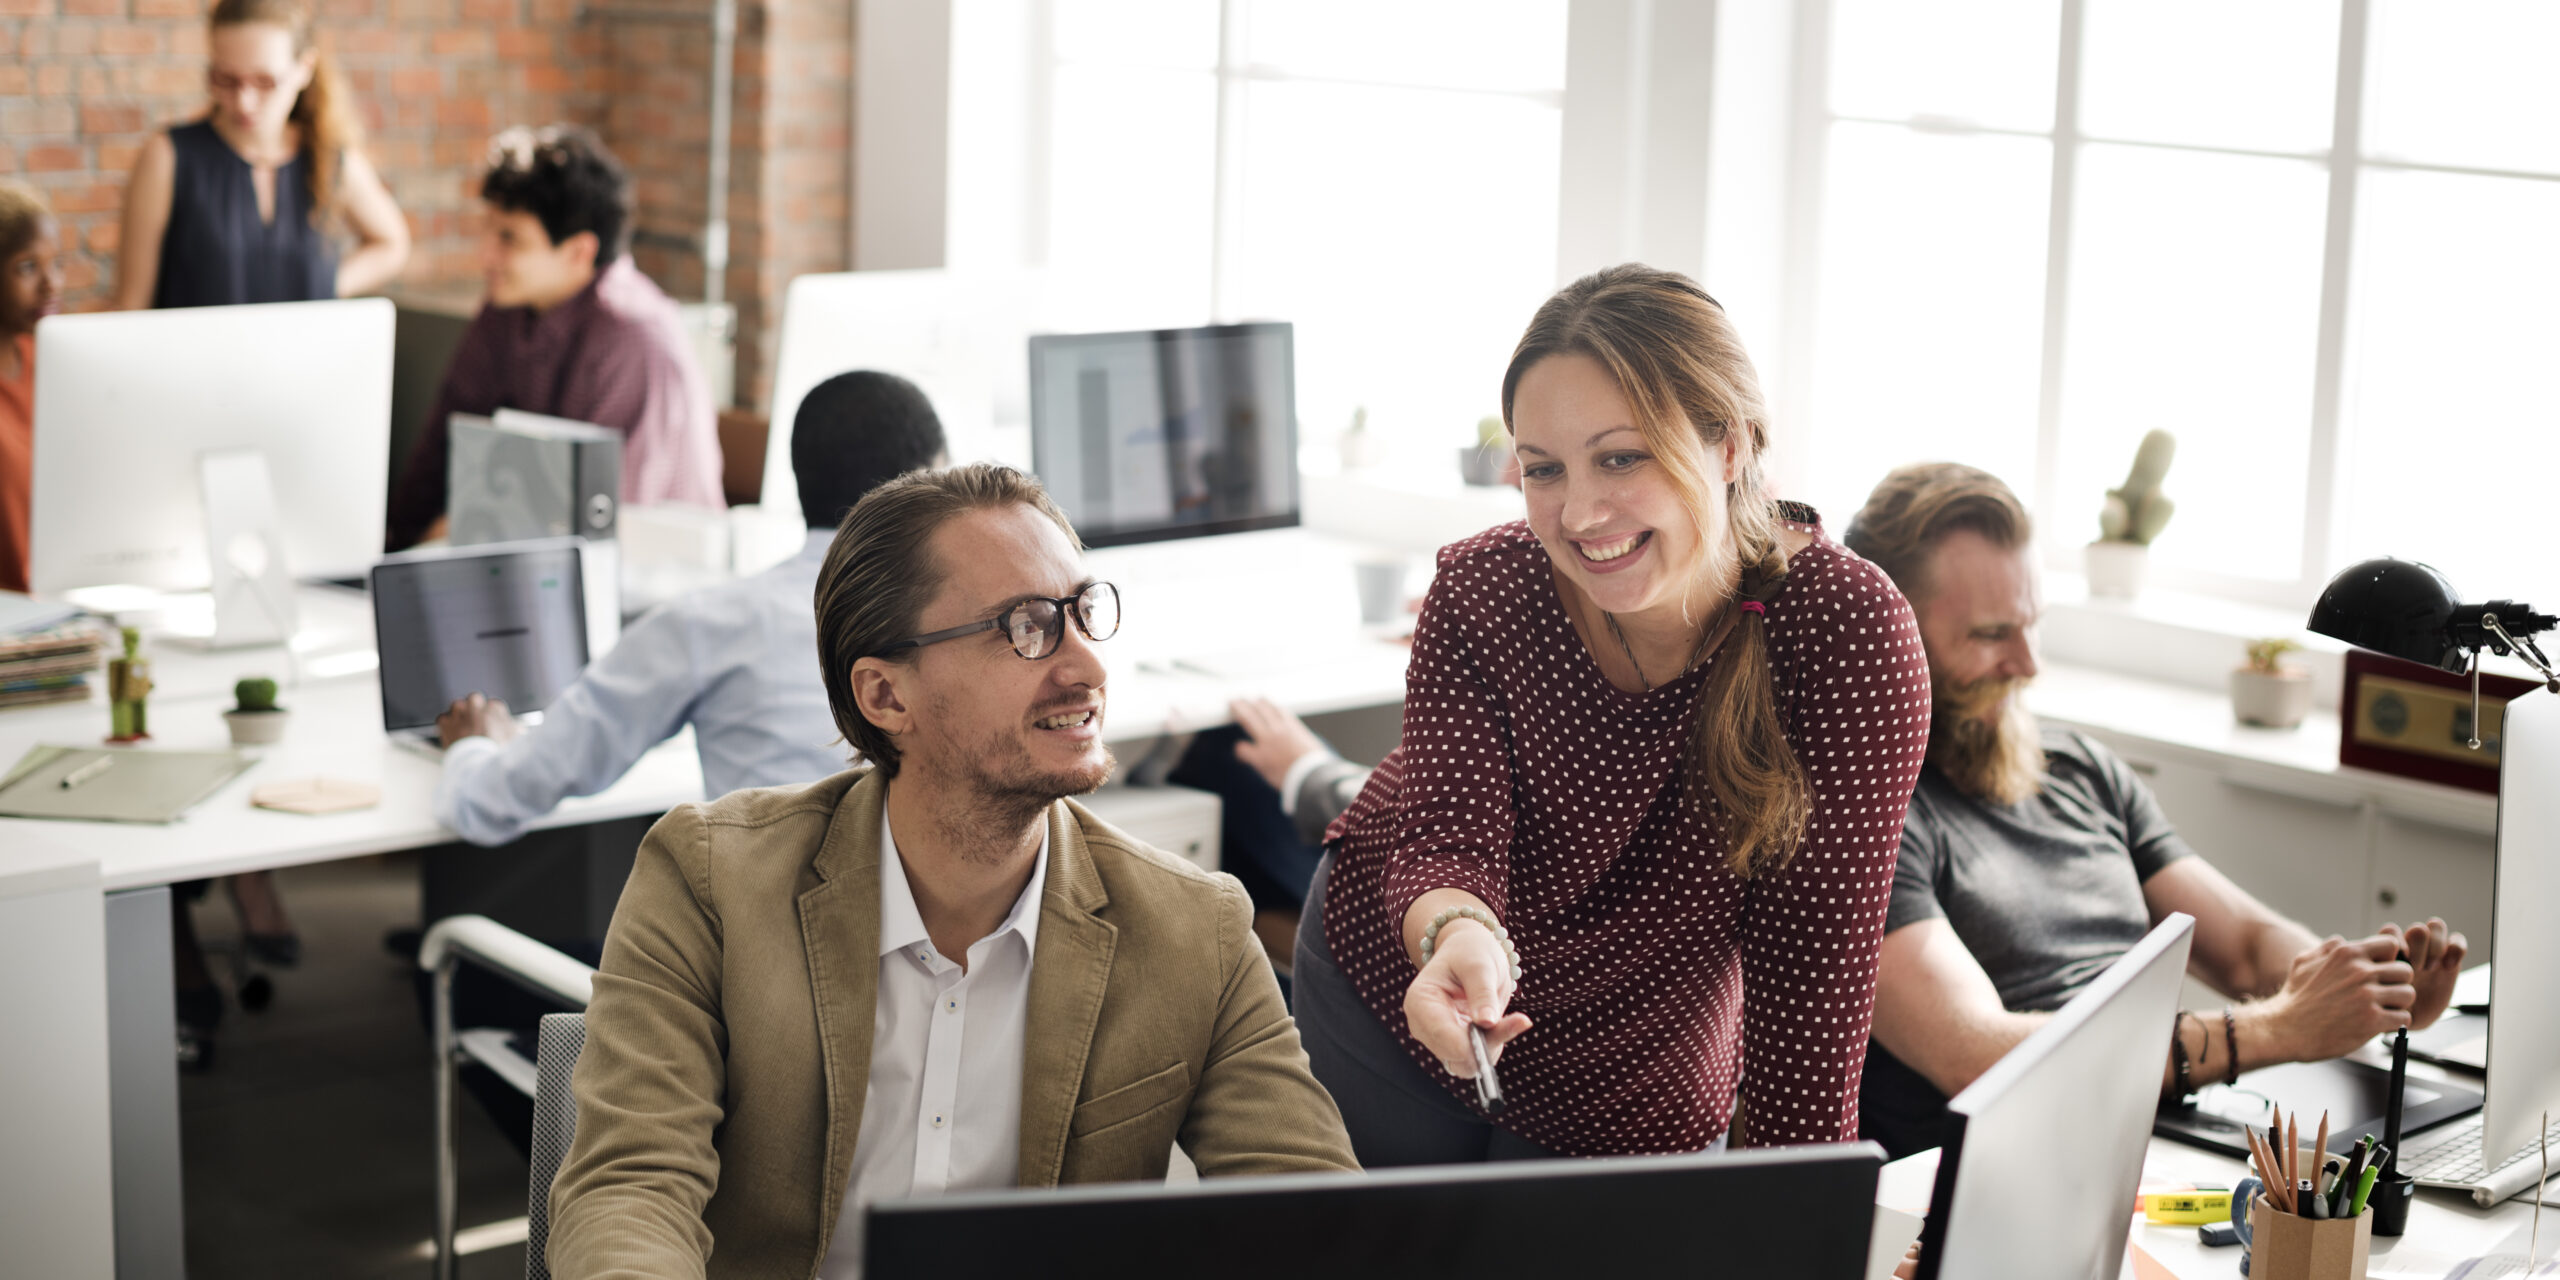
(2266, 657)
(257, 693)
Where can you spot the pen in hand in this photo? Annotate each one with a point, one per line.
(1488, 1087)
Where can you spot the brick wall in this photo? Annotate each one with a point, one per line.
(84, 82)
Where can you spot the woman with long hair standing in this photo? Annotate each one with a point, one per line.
(1640, 830)
(249, 203)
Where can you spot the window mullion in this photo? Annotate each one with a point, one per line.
(1226, 205)
(2057, 278)
(2320, 509)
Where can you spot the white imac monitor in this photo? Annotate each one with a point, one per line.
(1168, 433)
(128, 402)
(2050, 1140)
(957, 335)
(2524, 985)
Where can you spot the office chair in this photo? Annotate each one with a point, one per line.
(542, 971)
(555, 1125)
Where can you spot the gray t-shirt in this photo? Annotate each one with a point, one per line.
(2045, 893)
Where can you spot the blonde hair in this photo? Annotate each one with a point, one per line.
(1679, 362)
(1915, 506)
(324, 108)
(23, 212)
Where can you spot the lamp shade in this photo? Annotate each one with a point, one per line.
(2396, 607)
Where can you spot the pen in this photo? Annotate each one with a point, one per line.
(2364, 1190)
(2391, 1110)
(1488, 1087)
(2348, 1177)
(2308, 1196)
(86, 772)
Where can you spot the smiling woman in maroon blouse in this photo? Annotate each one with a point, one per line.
(1657, 741)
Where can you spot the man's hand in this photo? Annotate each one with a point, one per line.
(2436, 954)
(1274, 739)
(477, 716)
(1467, 981)
(2340, 994)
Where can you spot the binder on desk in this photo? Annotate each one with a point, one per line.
(114, 785)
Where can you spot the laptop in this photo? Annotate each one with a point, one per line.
(507, 619)
(2048, 1144)
(1800, 1212)
(2496, 1153)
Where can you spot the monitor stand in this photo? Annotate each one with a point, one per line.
(252, 587)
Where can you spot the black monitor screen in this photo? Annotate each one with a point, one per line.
(1167, 433)
(509, 622)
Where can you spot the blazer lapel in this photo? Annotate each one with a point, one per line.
(840, 927)
(1070, 971)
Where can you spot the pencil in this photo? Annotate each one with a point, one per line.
(2320, 1154)
(2292, 1150)
(2265, 1159)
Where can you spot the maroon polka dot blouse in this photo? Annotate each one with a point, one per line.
(1655, 977)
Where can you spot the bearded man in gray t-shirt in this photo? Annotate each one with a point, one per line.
(2033, 857)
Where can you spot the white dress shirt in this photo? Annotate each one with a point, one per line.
(943, 1109)
(738, 661)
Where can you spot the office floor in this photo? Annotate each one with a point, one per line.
(309, 1148)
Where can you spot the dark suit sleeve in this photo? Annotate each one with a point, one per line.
(1258, 1108)
(1326, 791)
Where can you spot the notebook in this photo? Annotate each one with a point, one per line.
(135, 785)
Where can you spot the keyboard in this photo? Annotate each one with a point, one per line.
(2452, 1158)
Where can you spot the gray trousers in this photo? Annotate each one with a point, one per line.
(1397, 1115)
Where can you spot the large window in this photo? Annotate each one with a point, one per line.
(2315, 239)
(1382, 173)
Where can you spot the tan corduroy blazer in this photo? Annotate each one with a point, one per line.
(729, 1042)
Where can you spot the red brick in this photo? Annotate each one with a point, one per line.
(17, 82)
(547, 77)
(347, 10)
(523, 42)
(20, 120)
(104, 235)
(79, 273)
(460, 41)
(367, 41)
(93, 198)
(118, 157)
(27, 8)
(416, 80)
(488, 10)
(92, 8)
(96, 118)
(53, 158)
(168, 8)
(467, 113)
(169, 80)
(129, 40)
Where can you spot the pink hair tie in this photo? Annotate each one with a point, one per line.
(1754, 606)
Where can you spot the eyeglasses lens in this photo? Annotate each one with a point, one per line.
(1098, 610)
(1033, 627)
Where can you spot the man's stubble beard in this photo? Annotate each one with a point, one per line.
(1998, 757)
(1001, 791)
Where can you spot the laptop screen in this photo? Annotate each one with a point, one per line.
(1170, 433)
(506, 621)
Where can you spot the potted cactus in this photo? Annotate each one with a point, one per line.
(1482, 462)
(2134, 514)
(256, 718)
(2270, 691)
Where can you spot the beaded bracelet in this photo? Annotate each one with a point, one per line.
(2178, 1053)
(1431, 933)
(2231, 1040)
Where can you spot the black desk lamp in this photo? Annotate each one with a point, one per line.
(2409, 611)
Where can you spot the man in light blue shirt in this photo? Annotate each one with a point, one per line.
(735, 661)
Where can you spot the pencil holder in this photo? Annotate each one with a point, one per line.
(2285, 1247)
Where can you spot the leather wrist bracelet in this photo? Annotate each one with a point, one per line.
(2231, 1041)
(2178, 1054)
(1431, 933)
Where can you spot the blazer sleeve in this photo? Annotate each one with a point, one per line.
(628, 1200)
(1455, 788)
(1258, 1108)
(1859, 723)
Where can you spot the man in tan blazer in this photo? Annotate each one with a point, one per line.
(934, 974)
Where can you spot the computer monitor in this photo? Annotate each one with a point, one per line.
(1167, 433)
(1800, 1212)
(507, 620)
(2039, 1178)
(129, 401)
(957, 335)
(2524, 985)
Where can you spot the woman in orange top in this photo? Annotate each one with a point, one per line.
(30, 290)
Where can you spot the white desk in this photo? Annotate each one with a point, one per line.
(2444, 1227)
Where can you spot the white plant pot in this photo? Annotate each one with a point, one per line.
(253, 728)
(2277, 701)
(2116, 569)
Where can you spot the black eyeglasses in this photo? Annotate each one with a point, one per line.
(1036, 625)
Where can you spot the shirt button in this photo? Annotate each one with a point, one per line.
(937, 1122)
(951, 1006)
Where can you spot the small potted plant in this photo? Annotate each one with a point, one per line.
(1482, 462)
(257, 719)
(2132, 516)
(2270, 691)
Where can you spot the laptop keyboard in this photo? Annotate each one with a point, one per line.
(2456, 1161)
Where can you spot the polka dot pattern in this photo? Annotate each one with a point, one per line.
(1659, 982)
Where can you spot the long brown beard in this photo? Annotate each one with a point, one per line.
(1989, 757)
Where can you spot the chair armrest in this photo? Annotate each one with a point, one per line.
(509, 954)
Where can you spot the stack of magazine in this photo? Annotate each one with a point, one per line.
(47, 655)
